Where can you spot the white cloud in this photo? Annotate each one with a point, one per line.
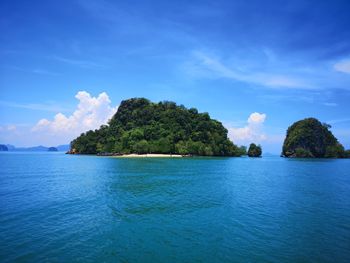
(9, 133)
(79, 63)
(10, 128)
(90, 113)
(252, 132)
(256, 118)
(338, 121)
(34, 106)
(343, 66)
(35, 71)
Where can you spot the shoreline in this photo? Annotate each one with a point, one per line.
(150, 155)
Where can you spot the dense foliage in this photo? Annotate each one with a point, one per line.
(254, 150)
(140, 126)
(347, 154)
(310, 138)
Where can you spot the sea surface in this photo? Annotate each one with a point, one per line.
(65, 208)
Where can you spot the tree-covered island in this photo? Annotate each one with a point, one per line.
(309, 138)
(3, 148)
(140, 126)
(254, 150)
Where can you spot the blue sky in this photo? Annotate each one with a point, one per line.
(283, 61)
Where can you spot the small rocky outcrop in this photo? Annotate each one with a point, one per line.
(72, 151)
(254, 150)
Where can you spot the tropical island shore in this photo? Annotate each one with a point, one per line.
(151, 155)
(143, 127)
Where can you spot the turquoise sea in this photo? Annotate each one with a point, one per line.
(64, 208)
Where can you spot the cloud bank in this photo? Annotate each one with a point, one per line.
(91, 113)
(252, 132)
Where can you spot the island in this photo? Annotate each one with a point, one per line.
(309, 138)
(52, 149)
(143, 127)
(254, 150)
(3, 148)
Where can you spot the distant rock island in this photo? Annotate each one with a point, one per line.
(11, 148)
(254, 150)
(309, 138)
(143, 127)
(52, 149)
(3, 148)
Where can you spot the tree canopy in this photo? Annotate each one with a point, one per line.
(140, 126)
(254, 150)
(310, 138)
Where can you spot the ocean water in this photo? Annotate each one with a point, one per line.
(65, 208)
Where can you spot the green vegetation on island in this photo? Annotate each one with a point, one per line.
(140, 126)
(309, 138)
(254, 150)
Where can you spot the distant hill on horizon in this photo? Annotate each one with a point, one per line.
(40, 148)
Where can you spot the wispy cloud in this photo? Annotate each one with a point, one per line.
(300, 96)
(338, 121)
(78, 63)
(305, 98)
(45, 72)
(330, 104)
(34, 106)
(205, 65)
(34, 71)
(10, 128)
(343, 66)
